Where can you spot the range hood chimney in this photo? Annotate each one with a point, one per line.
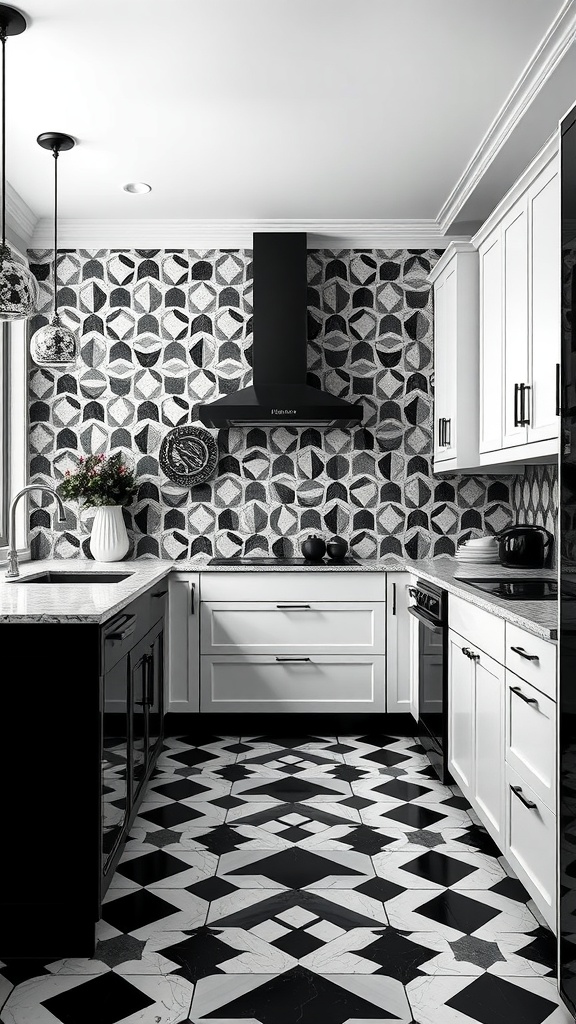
(280, 393)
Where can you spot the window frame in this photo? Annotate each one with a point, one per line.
(14, 365)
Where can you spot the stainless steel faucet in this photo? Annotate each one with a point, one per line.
(13, 569)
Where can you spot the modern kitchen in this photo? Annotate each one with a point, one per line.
(287, 506)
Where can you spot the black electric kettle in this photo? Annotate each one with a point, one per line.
(524, 547)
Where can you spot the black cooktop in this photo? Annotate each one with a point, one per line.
(529, 589)
(280, 562)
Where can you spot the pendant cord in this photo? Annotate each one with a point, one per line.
(55, 152)
(3, 38)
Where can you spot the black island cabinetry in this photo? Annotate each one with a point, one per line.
(84, 706)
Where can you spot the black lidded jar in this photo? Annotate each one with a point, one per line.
(337, 548)
(313, 548)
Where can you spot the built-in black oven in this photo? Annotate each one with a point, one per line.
(430, 607)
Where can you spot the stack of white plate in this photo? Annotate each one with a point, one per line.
(479, 550)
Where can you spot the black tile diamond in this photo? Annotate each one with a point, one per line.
(380, 889)
(400, 790)
(199, 954)
(151, 867)
(541, 949)
(181, 790)
(364, 839)
(457, 911)
(492, 1000)
(512, 889)
(138, 909)
(167, 815)
(478, 838)
(298, 943)
(192, 757)
(385, 757)
(299, 995)
(439, 868)
(222, 839)
(295, 868)
(414, 815)
(211, 888)
(103, 1000)
(397, 956)
(292, 790)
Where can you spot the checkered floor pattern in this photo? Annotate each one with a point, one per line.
(303, 878)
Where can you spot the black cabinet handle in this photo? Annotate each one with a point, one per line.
(393, 599)
(192, 593)
(466, 651)
(291, 660)
(127, 629)
(293, 607)
(517, 790)
(518, 692)
(474, 656)
(558, 395)
(524, 654)
(524, 416)
(448, 432)
(516, 393)
(441, 423)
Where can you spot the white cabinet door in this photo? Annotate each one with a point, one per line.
(531, 737)
(446, 311)
(252, 683)
(532, 843)
(544, 216)
(288, 627)
(183, 643)
(460, 714)
(515, 243)
(398, 642)
(491, 342)
(489, 743)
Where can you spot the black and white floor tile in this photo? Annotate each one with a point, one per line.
(302, 878)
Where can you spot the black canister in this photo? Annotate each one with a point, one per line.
(313, 548)
(336, 548)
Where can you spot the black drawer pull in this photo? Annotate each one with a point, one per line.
(516, 416)
(160, 593)
(292, 607)
(466, 651)
(518, 692)
(292, 660)
(126, 630)
(517, 790)
(524, 654)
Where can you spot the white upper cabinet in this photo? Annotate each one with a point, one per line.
(455, 281)
(519, 255)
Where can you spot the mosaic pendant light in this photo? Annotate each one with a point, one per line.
(54, 344)
(18, 288)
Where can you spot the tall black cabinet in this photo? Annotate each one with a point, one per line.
(82, 729)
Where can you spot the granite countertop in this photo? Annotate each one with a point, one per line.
(24, 602)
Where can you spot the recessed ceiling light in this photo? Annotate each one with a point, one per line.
(137, 187)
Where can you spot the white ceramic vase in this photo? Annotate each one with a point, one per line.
(108, 539)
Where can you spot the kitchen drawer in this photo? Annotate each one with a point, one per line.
(531, 846)
(316, 627)
(531, 658)
(122, 631)
(480, 628)
(254, 683)
(531, 737)
(312, 585)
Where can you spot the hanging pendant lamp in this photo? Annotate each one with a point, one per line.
(18, 288)
(54, 344)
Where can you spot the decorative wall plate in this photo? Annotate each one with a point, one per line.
(188, 455)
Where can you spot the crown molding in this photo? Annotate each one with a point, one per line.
(20, 219)
(237, 234)
(544, 60)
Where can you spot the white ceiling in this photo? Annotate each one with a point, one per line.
(261, 108)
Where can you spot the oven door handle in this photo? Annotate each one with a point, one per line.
(426, 621)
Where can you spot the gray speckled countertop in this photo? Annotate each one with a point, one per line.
(29, 603)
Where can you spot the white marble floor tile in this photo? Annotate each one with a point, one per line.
(430, 999)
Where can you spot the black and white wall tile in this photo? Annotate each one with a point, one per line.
(162, 331)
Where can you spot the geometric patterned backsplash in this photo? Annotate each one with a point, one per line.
(163, 330)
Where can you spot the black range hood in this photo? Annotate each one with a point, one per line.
(280, 393)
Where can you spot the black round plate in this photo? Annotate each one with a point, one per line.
(188, 455)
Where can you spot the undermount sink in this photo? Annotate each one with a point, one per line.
(87, 578)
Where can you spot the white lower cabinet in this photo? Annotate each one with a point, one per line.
(399, 666)
(183, 642)
(461, 714)
(291, 683)
(489, 743)
(531, 843)
(298, 642)
(502, 741)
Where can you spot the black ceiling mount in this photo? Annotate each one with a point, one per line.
(12, 22)
(56, 142)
